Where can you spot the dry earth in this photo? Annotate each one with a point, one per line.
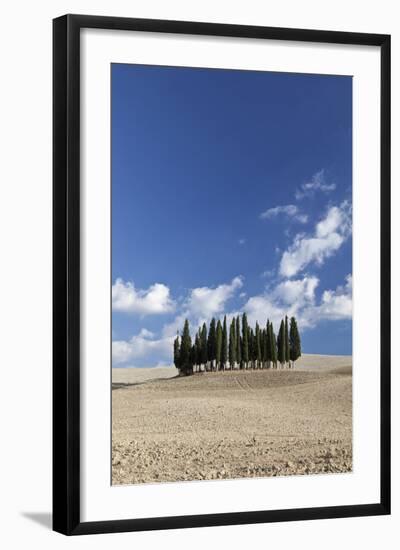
(232, 424)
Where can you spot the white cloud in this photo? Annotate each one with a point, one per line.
(144, 333)
(288, 210)
(337, 219)
(302, 218)
(298, 298)
(307, 250)
(287, 298)
(205, 302)
(260, 308)
(329, 235)
(297, 292)
(242, 241)
(201, 305)
(268, 273)
(335, 304)
(170, 329)
(143, 349)
(317, 183)
(153, 301)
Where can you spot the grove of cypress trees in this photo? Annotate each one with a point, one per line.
(238, 342)
(232, 344)
(256, 349)
(245, 341)
(218, 350)
(186, 348)
(212, 344)
(295, 342)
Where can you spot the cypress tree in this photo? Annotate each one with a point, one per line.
(274, 354)
(287, 344)
(252, 348)
(245, 341)
(186, 348)
(249, 344)
(192, 359)
(212, 343)
(203, 339)
(268, 345)
(197, 353)
(238, 342)
(258, 349)
(262, 334)
(224, 351)
(281, 344)
(218, 350)
(232, 344)
(263, 348)
(177, 352)
(295, 342)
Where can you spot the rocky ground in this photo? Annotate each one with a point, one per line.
(232, 424)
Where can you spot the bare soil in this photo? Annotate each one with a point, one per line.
(232, 424)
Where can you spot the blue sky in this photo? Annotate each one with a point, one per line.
(231, 192)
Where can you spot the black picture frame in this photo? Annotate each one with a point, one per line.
(66, 273)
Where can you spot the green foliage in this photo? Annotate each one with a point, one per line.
(192, 359)
(218, 351)
(263, 346)
(224, 349)
(212, 341)
(197, 354)
(281, 343)
(177, 349)
(252, 348)
(287, 344)
(295, 342)
(186, 349)
(232, 343)
(268, 343)
(238, 342)
(245, 340)
(203, 345)
(257, 346)
(274, 351)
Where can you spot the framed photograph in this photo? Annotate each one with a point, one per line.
(221, 274)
